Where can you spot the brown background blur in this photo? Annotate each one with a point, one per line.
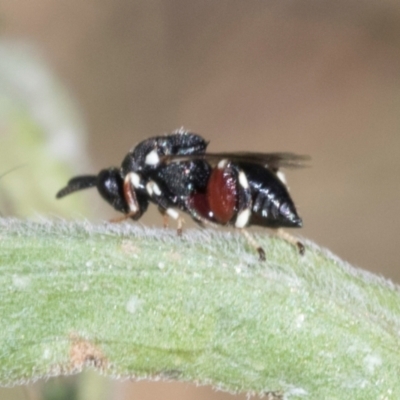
(312, 77)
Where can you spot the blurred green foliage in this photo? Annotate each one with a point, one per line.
(40, 131)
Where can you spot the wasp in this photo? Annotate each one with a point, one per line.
(177, 174)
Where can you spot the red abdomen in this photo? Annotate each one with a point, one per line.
(222, 194)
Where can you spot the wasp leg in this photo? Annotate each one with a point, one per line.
(170, 212)
(123, 217)
(203, 222)
(130, 198)
(179, 224)
(154, 191)
(253, 242)
(165, 217)
(291, 239)
(130, 195)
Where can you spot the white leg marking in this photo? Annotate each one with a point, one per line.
(222, 164)
(156, 189)
(134, 179)
(133, 208)
(153, 188)
(130, 195)
(243, 218)
(172, 213)
(149, 188)
(243, 180)
(281, 177)
(152, 158)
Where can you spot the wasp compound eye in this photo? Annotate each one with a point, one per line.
(110, 186)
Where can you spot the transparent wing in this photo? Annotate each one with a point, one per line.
(273, 161)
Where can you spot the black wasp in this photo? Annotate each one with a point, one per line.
(175, 172)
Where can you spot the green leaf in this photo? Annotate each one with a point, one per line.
(136, 302)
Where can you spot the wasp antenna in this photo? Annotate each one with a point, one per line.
(77, 183)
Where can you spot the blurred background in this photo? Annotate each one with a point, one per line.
(82, 82)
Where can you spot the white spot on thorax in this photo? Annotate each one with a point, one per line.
(243, 218)
(152, 158)
(243, 180)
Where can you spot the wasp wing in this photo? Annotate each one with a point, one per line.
(273, 161)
